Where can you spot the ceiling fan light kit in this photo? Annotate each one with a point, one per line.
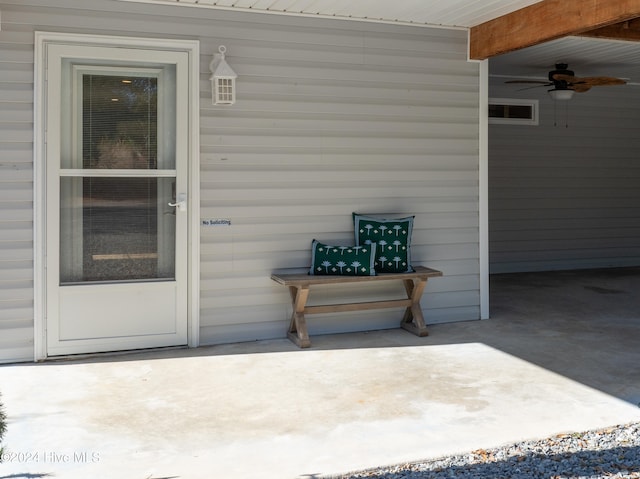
(561, 94)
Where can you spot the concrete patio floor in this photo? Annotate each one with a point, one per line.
(560, 354)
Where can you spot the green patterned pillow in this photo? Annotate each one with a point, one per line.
(393, 239)
(342, 260)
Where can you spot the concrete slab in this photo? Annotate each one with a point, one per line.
(559, 355)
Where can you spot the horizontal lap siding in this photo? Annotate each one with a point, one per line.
(16, 196)
(332, 120)
(567, 196)
(331, 117)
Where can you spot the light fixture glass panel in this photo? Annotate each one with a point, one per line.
(561, 95)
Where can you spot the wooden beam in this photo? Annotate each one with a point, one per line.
(629, 31)
(545, 21)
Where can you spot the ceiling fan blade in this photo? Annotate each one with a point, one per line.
(581, 87)
(528, 81)
(602, 81)
(593, 81)
(566, 78)
(532, 87)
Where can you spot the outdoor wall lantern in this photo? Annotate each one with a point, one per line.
(223, 79)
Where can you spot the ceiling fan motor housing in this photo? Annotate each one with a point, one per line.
(561, 69)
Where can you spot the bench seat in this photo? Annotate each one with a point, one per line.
(299, 285)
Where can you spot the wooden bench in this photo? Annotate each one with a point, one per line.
(299, 285)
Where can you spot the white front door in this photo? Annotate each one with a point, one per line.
(116, 157)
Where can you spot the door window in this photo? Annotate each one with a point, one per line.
(117, 174)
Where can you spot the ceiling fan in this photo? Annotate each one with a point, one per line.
(565, 83)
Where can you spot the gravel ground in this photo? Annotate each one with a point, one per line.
(608, 453)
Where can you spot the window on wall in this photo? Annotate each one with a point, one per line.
(513, 111)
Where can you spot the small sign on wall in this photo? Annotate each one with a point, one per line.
(216, 222)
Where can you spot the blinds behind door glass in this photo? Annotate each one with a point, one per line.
(116, 226)
(120, 122)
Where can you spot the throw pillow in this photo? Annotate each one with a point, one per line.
(342, 260)
(393, 239)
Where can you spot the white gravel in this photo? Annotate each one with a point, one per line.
(612, 452)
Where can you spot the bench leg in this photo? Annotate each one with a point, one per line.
(298, 327)
(413, 320)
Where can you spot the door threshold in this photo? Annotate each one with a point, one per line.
(109, 354)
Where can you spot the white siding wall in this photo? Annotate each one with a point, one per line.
(331, 117)
(565, 197)
(16, 183)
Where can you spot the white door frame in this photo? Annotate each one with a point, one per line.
(191, 47)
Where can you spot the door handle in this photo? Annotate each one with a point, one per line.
(181, 204)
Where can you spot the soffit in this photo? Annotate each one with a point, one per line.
(586, 56)
(449, 13)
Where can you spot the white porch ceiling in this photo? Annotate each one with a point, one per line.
(450, 13)
(586, 56)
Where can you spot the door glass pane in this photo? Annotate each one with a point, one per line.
(117, 116)
(119, 122)
(116, 229)
(117, 226)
